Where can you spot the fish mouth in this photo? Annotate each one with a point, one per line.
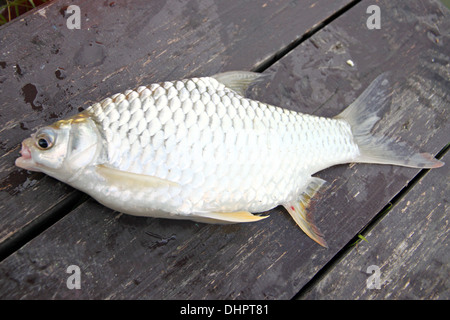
(26, 161)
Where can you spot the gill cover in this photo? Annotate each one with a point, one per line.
(83, 144)
(62, 149)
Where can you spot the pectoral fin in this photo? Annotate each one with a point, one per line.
(132, 180)
(298, 211)
(227, 217)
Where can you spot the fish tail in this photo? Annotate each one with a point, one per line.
(362, 115)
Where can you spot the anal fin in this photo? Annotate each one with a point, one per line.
(298, 210)
(227, 217)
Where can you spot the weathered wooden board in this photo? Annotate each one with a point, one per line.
(410, 246)
(48, 71)
(120, 256)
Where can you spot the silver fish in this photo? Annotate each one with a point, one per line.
(199, 149)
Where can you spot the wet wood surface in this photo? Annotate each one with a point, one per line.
(125, 257)
(53, 72)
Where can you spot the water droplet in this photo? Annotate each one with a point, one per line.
(29, 92)
(60, 74)
(22, 126)
(90, 55)
(18, 181)
(18, 70)
(63, 11)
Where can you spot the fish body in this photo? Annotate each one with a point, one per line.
(199, 149)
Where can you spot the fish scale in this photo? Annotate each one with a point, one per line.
(183, 118)
(199, 149)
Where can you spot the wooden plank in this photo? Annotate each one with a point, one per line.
(53, 72)
(272, 259)
(410, 246)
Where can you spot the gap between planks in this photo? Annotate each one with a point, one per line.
(264, 65)
(42, 223)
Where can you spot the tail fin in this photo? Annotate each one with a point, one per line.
(362, 116)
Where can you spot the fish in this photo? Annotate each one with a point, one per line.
(200, 149)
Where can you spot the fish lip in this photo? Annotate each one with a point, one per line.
(25, 152)
(26, 161)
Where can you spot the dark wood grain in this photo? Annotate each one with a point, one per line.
(410, 246)
(48, 72)
(121, 258)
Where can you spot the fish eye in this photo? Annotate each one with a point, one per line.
(43, 143)
(45, 139)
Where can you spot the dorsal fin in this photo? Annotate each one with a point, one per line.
(238, 81)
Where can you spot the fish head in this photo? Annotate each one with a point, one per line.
(61, 149)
